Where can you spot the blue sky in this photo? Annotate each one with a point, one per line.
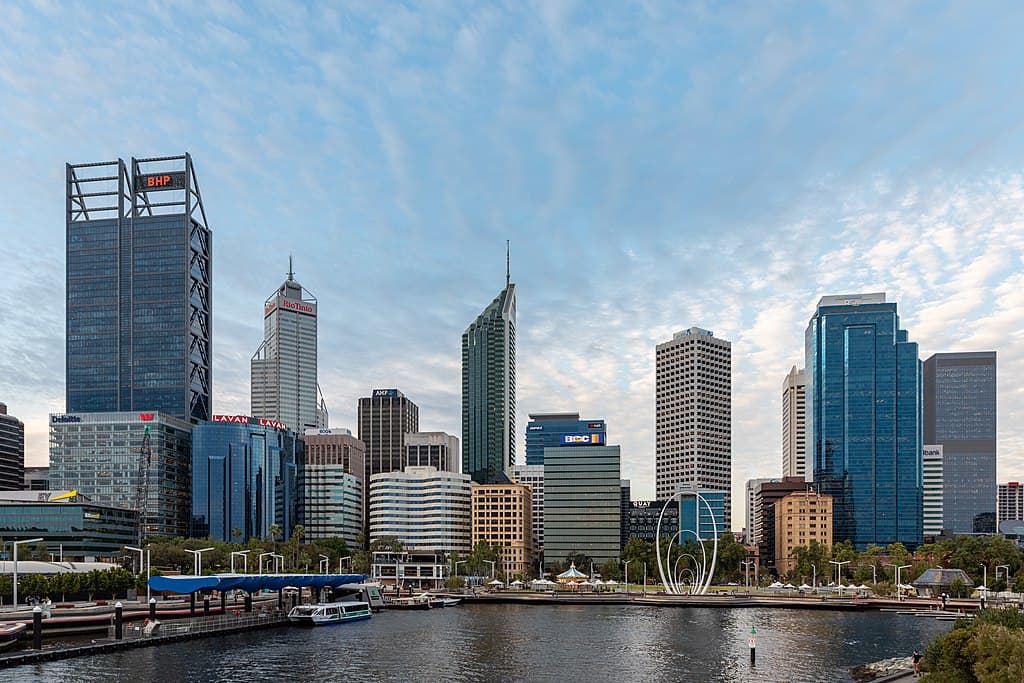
(655, 166)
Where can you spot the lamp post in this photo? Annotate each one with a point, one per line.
(324, 561)
(984, 581)
(746, 572)
(874, 575)
(198, 554)
(839, 572)
(626, 562)
(814, 574)
(341, 559)
(899, 584)
(278, 569)
(16, 544)
(1006, 571)
(492, 563)
(147, 568)
(261, 556)
(245, 560)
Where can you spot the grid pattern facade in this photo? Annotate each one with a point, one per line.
(794, 424)
(426, 509)
(545, 430)
(244, 481)
(582, 503)
(284, 368)
(384, 421)
(1011, 501)
(642, 520)
(502, 519)
(533, 476)
(693, 415)
(82, 531)
(864, 417)
(755, 523)
(139, 299)
(704, 516)
(799, 519)
(960, 416)
(489, 391)
(333, 494)
(932, 493)
(433, 449)
(100, 455)
(766, 495)
(12, 451)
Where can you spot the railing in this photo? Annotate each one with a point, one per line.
(138, 629)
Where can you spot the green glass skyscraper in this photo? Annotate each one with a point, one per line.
(489, 391)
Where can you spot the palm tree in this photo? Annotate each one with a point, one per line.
(297, 534)
(275, 533)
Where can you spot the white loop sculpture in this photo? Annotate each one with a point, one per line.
(704, 574)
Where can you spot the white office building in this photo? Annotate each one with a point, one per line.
(933, 490)
(433, 449)
(533, 476)
(427, 509)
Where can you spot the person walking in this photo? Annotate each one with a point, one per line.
(916, 659)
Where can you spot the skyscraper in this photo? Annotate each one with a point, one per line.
(864, 418)
(794, 424)
(754, 520)
(551, 430)
(960, 416)
(12, 451)
(334, 493)
(582, 503)
(139, 301)
(693, 415)
(385, 418)
(284, 368)
(932, 491)
(489, 391)
(1010, 501)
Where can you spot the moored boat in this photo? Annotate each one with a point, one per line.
(329, 613)
(411, 602)
(9, 634)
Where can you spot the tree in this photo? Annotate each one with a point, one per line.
(479, 561)
(32, 584)
(610, 570)
(730, 554)
(297, 535)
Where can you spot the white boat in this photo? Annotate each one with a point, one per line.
(328, 613)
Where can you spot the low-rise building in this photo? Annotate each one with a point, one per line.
(70, 524)
(502, 519)
(417, 571)
(799, 519)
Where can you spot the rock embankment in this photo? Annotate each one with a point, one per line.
(885, 667)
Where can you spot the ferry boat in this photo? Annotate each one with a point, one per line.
(329, 613)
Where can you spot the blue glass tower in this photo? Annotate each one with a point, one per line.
(864, 382)
(139, 300)
(554, 430)
(244, 477)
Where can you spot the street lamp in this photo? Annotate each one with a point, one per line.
(1006, 572)
(198, 554)
(814, 575)
(746, 572)
(341, 559)
(839, 572)
(899, 590)
(492, 563)
(245, 560)
(149, 565)
(984, 581)
(626, 562)
(324, 560)
(278, 569)
(16, 544)
(261, 556)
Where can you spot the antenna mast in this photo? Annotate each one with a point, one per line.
(508, 271)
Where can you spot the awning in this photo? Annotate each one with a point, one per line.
(250, 582)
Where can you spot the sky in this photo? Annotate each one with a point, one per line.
(655, 166)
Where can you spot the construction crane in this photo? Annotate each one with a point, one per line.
(142, 492)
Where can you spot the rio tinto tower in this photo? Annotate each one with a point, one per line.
(284, 375)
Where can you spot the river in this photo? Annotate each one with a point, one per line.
(526, 643)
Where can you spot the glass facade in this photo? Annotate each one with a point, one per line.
(104, 457)
(489, 392)
(548, 431)
(582, 503)
(864, 383)
(81, 531)
(331, 475)
(642, 520)
(138, 294)
(960, 416)
(244, 480)
(705, 517)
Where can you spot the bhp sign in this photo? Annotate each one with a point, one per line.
(151, 182)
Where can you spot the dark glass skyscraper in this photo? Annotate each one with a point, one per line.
(960, 415)
(139, 298)
(489, 391)
(553, 430)
(864, 418)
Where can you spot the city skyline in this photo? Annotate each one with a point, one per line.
(610, 259)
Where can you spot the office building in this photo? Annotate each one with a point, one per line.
(960, 416)
(582, 503)
(1010, 502)
(139, 300)
(932, 493)
(284, 367)
(533, 476)
(767, 494)
(12, 451)
(489, 391)
(331, 474)
(794, 424)
(69, 523)
(625, 498)
(386, 417)
(426, 509)
(417, 571)
(138, 461)
(433, 449)
(693, 415)
(800, 518)
(244, 479)
(37, 478)
(551, 430)
(502, 519)
(754, 520)
(642, 520)
(864, 419)
(702, 512)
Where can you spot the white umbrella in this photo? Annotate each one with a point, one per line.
(789, 585)
(776, 585)
(611, 582)
(517, 582)
(496, 582)
(804, 587)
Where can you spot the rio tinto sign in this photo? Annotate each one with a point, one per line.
(290, 305)
(152, 182)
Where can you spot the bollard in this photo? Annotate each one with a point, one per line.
(37, 627)
(753, 646)
(295, 599)
(223, 606)
(192, 604)
(206, 605)
(118, 620)
(152, 609)
(248, 601)
(280, 600)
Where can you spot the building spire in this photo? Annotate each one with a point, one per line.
(508, 271)
(291, 273)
